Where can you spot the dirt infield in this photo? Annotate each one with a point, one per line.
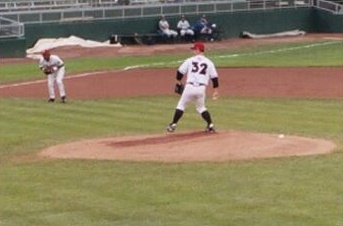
(248, 82)
(192, 146)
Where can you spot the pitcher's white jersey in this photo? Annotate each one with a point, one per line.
(198, 69)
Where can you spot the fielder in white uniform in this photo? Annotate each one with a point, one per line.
(164, 27)
(199, 70)
(53, 67)
(184, 27)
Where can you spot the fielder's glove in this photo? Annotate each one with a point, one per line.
(49, 70)
(179, 88)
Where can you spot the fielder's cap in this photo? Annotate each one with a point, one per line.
(198, 46)
(46, 52)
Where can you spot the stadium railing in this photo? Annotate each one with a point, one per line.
(29, 5)
(10, 28)
(333, 7)
(104, 9)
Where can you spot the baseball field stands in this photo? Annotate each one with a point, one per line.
(47, 11)
(42, 11)
(332, 6)
(10, 28)
(137, 2)
(22, 5)
(180, 6)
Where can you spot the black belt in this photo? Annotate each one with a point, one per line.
(194, 84)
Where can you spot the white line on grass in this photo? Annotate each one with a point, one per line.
(44, 80)
(277, 50)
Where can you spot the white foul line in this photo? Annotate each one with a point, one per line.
(44, 80)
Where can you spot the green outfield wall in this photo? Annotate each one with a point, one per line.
(231, 25)
(13, 47)
(326, 22)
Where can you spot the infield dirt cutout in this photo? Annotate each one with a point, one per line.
(190, 147)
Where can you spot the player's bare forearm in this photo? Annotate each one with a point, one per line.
(215, 94)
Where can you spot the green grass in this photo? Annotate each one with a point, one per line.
(281, 55)
(58, 123)
(286, 191)
(292, 191)
(286, 55)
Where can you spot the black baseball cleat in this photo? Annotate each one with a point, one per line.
(171, 127)
(210, 128)
(64, 99)
(51, 100)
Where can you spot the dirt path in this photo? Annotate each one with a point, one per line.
(190, 147)
(250, 82)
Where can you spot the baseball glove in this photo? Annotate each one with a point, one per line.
(179, 88)
(49, 70)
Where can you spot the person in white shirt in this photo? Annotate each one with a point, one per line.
(165, 28)
(184, 27)
(53, 67)
(199, 70)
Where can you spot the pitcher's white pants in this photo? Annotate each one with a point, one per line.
(195, 94)
(57, 77)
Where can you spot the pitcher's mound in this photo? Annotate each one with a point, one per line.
(190, 147)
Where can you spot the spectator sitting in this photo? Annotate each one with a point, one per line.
(164, 28)
(184, 27)
(203, 26)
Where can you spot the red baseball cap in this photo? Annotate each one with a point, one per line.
(198, 46)
(46, 52)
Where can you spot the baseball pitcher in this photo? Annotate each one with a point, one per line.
(199, 70)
